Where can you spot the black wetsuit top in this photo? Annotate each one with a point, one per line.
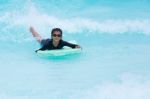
(47, 44)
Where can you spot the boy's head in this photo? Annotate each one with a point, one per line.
(56, 30)
(56, 34)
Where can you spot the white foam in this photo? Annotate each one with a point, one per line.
(130, 87)
(32, 17)
(79, 24)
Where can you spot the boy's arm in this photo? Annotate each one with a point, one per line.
(36, 34)
(71, 45)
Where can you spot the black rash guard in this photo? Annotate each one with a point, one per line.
(47, 44)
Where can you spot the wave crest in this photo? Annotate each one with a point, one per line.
(32, 17)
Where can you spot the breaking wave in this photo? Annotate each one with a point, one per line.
(32, 17)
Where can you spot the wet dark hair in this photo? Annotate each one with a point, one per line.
(56, 29)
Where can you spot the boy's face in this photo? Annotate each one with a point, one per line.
(56, 36)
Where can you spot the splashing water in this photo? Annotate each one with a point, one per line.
(114, 63)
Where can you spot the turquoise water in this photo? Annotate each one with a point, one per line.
(114, 63)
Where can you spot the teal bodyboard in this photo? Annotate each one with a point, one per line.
(59, 52)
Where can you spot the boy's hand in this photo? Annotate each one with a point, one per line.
(78, 46)
(31, 29)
